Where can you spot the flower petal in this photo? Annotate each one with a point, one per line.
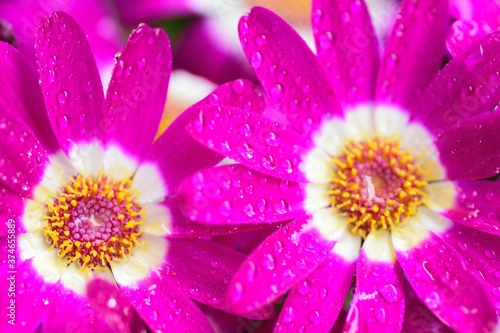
(287, 69)
(469, 149)
(137, 91)
(164, 308)
(12, 209)
(203, 269)
(70, 80)
(233, 194)
(418, 318)
(286, 257)
(480, 256)
(414, 51)
(250, 139)
(378, 304)
(22, 158)
(463, 34)
(347, 48)
(467, 86)
(315, 302)
(176, 155)
(474, 203)
(434, 270)
(21, 95)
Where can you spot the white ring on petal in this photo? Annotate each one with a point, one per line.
(76, 279)
(441, 196)
(317, 166)
(31, 244)
(87, 158)
(49, 266)
(329, 224)
(317, 197)
(348, 246)
(117, 165)
(57, 173)
(32, 218)
(157, 220)
(148, 256)
(149, 181)
(378, 247)
(390, 120)
(360, 122)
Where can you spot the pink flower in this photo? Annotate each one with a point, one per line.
(91, 199)
(372, 173)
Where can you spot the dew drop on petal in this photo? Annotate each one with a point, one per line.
(256, 59)
(268, 261)
(390, 293)
(62, 96)
(326, 40)
(276, 91)
(303, 287)
(289, 314)
(245, 130)
(62, 122)
(380, 315)
(315, 317)
(238, 86)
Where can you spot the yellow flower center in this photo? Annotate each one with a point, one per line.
(376, 184)
(92, 221)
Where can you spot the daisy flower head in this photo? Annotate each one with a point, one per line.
(91, 197)
(375, 166)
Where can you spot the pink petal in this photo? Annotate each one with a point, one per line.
(434, 270)
(480, 256)
(418, 318)
(22, 95)
(251, 139)
(70, 80)
(463, 33)
(178, 155)
(469, 149)
(133, 12)
(477, 204)
(347, 48)
(220, 62)
(11, 211)
(378, 304)
(23, 157)
(287, 69)
(138, 90)
(203, 269)
(284, 259)
(181, 226)
(164, 308)
(467, 86)
(233, 194)
(315, 302)
(414, 51)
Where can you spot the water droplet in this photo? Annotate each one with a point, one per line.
(289, 314)
(380, 315)
(268, 261)
(271, 139)
(317, 16)
(315, 317)
(251, 272)
(281, 207)
(490, 254)
(326, 40)
(268, 163)
(323, 293)
(141, 62)
(286, 165)
(225, 208)
(278, 247)
(249, 210)
(238, 86)
(260, 40)
(303, 287)
(62, 96)
(276, 92)
(245, 151)
(237, 293)
(62, 122)
(432, 300)
(390, 293)
(462, 246)
(52, 61)
(284, 185)
(392, 61)
(51, 76)
(256, 59)
(245, 130)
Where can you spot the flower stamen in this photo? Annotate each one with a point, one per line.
(376, 184)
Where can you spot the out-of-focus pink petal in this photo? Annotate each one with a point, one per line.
(418, 318)
(463, 33)
(70, 80)
(137, 91)
(133, 12)
(414, 51)
(22, 95)
(287, 69)
(285, 258)
(435, 271)
(378, 304)
(347, 48)
(164, 308)
(202, 270)
(468, 85)
(251, 139)
(477, 204)
(233, 194)
(469, 149)
(480, 257)
(11, 210)
(314, 303)
(23, 158)
(220, 62)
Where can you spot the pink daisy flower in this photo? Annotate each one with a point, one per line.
(91, 200)
(376, 179)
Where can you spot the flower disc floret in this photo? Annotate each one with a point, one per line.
(376, 184)
(92, 221)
